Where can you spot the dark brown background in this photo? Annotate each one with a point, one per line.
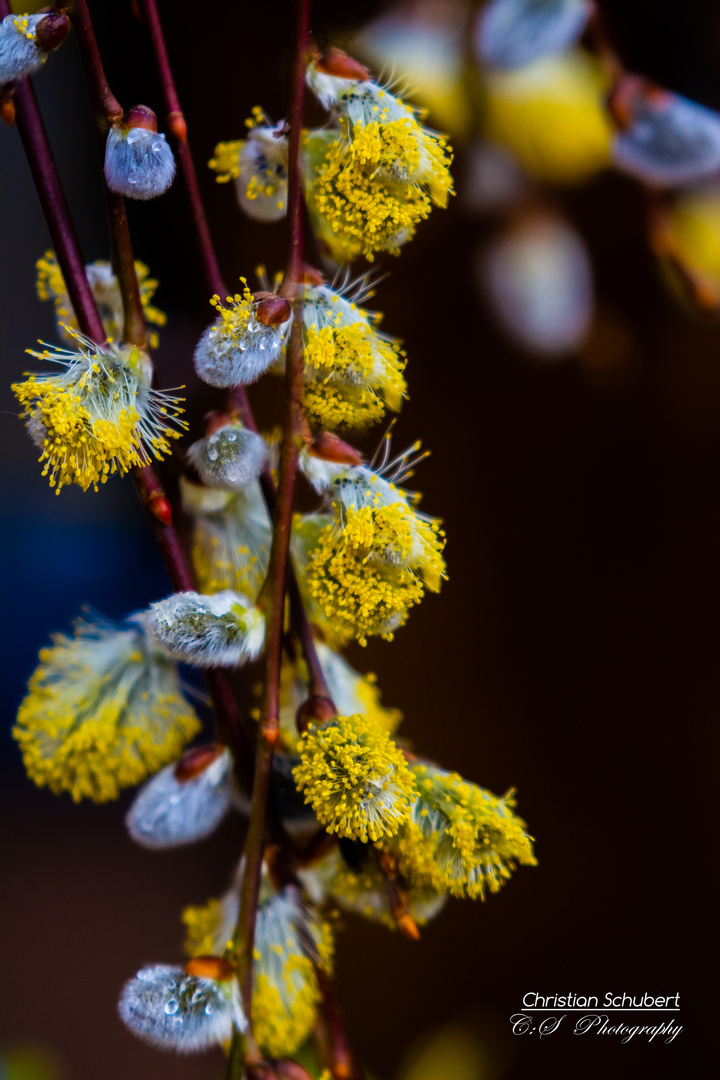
(573, 652)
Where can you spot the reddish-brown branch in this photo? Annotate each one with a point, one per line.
(178, 127)
(279, 554)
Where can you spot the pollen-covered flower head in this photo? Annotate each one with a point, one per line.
(25, 41)
(231, 535)
(513, 33)
(665, 140)
(99, 416)
(362, 889)
(460, 836)
(106, 293)
(291, 940)
(381, 129)
(185, 802)
(356, 209)
(223, 630)
(139, 163)
(259, 167)
(184, 1009)
(230, 456)
(378, 554)
(245, 340)
(103, 710)
(352, 371)
(350, 691)
(355, 778)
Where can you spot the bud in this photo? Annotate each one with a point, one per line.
(51, 31)
(7, 110)
(316, 710)
(271, 310)
(25, 40)
(665, 139)
(138, 161)
(185, 801)
(337, 63)
(514, 33)
(310, 276)
(177, 1010)
(223, 630)
(247, 337)
(210, 967)
(329, 447)
(230, 458)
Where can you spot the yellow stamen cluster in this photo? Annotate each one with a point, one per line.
(461, 837)
(356, 576)
(345, 386)
(98, 417)
(226, 162)
(106, 291)
(289, 940)
(231, 534)
(236, 316)
(357, 209)
(103, 711)
(355, 778)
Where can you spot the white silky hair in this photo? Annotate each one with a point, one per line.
(139, 164)
(671, 143)
(512, 33)
(222, 630)
(365, 101)
(230, 458)
(325, 307)
(224, 359)
(264, 157)
(166, 1007)
(19, 55)
(168, 812)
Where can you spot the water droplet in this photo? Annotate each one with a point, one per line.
(213, 454)
(231, 436)
(208, 1008)
(171, 1006)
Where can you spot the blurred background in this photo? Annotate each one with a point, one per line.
(573, 652)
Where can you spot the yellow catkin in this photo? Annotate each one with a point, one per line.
(359, 590)
(50, 285)
(461, 837)
(355, 778)
(103, 711)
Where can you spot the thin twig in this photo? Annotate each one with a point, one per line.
(178, 127)
(279, 554)
(239, 399)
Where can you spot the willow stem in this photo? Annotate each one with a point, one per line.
(213, 276)
(178, 127)
(279, 554)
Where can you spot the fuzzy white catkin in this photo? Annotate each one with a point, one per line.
(138, 163)
(513, 33)
(19, 54)
(166, 1007)
(224, 359)
(223, 630)
(230, 458)
(168, 812)
(670, 143)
